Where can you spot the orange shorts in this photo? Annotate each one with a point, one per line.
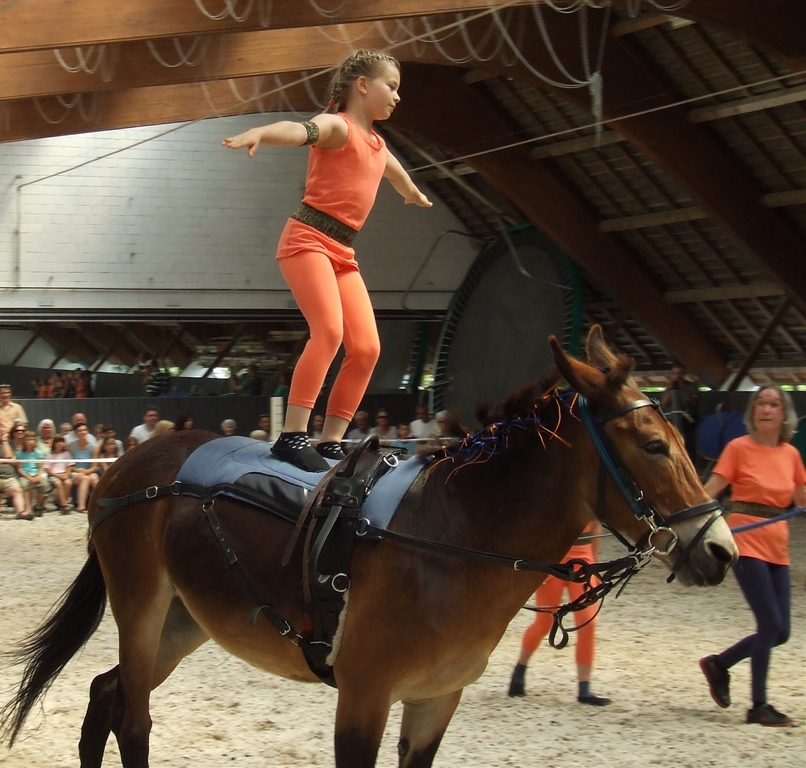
(302, 238)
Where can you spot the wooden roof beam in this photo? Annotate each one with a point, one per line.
(724, 292)
(443, 108)
(41, 24)
(748, 105)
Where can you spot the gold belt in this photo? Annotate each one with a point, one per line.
(325, 224)
(757, 510)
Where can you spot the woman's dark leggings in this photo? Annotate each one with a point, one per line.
(767, 591)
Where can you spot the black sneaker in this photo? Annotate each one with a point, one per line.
(766, 714)
(718, 680)
(296, 449)
(331, 450)
(518, 682)
(596, 701)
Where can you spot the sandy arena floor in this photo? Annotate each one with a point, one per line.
(216, 711)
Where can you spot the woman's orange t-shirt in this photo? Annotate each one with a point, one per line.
(760, 474)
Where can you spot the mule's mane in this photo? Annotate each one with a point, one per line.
(532, 410)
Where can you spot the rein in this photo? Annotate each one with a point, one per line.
(610, 463)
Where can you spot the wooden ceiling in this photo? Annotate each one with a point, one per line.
(686, 216)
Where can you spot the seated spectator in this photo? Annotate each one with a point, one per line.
(441, 431)
(259, 434)
(98, 432)
(228, 427)
(9, 480)
(317, 422)
(383, 429)
(70, 437)
(17, 437)
(402, 439)
(361, 428)
(85, 470)
(39, 387)
(53, 382)
(143, 431)
(131, 442)
(82, 383)
(163, 427)
(46, 431)
(264, 423)
(424, 425)
(65, 428)
(59, 471)
(108, 453)
(32, 478)
(183, 422)
(249, 383)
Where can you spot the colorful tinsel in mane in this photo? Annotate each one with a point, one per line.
(543, 420)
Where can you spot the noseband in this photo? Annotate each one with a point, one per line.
(660, 537)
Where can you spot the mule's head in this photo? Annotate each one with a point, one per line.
(655, 485)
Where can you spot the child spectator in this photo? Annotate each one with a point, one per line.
(59, 471)
(30, 472)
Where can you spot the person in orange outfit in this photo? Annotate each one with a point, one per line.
(766, 475)
(347, 161)
(550, 593)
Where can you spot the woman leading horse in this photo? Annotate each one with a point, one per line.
(528, 496)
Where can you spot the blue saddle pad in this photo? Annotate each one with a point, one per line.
(241, 461)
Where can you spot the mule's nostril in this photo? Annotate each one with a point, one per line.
(719, 553)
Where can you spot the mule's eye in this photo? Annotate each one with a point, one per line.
(658, 447)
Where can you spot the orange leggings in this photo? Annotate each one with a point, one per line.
(549, 594)
(335, 302)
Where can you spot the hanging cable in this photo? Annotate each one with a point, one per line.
(200, 42)
(329, 14)
(229, 10)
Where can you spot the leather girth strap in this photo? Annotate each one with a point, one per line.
(329, 546)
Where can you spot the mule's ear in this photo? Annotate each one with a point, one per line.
(585, 379)
(597, 351)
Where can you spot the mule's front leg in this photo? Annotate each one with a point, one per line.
(423, 726)
(361, 716)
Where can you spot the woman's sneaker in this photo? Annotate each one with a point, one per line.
(718, 680)
(331, 450)
(766, 714)
(296, 449)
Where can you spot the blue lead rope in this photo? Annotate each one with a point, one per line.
(776, 519)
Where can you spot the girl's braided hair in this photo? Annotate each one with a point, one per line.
(364, 63)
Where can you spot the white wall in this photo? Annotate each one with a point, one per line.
(182, 222)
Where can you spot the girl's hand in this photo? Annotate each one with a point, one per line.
(250, 138)
(418, 198)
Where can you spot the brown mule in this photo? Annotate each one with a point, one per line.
(171, 589)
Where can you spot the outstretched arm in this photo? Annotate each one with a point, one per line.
(332, 135)
(403, 184)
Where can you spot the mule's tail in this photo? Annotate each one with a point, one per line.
(46, 651)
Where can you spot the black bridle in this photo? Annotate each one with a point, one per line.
(660, 536)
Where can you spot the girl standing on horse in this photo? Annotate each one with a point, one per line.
(346, 163)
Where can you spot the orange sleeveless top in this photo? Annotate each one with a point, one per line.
(344, 182)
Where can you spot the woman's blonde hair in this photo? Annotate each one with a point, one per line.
(361, 63)
(790, 425)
